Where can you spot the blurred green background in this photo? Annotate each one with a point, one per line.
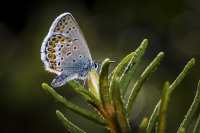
(112, 29)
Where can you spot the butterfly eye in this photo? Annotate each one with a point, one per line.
(95, 65)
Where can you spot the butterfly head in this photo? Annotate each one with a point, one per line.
(96, 66)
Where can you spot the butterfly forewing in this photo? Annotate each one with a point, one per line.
(64, 48)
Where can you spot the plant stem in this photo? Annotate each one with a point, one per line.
(144, 76)
(188, 117)
(81, 111)
(68, 124)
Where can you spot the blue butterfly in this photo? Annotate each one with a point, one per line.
(64, 51)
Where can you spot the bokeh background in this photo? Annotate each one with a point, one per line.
(112, 29)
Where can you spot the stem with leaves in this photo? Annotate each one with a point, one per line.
(106, 93)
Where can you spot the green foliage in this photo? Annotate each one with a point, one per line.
(105, 93)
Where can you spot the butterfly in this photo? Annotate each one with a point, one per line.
(64, 51)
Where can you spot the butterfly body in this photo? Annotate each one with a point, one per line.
(64, 51)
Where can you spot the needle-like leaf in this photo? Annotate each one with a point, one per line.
(120, 111)
(81, 111)
(176, 82)
(140, 81)
(130, 71)
(188, 117)
(79, 89)
(197, 125)
(163, 108)
(104, 84)
(72, 128)
(125, 70)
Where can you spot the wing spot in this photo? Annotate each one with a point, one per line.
(59, 23)
(50, 49)
(52, 44)
(73, 27)
(62, 58)
(52, 56)
(80, 56)
(70, 28)
(63, 19)
(62, 27)
(75, 48)
(68, 45)
(74, 60)
(69, 53)
(57, 29)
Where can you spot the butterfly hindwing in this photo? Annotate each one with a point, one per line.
(62, 79)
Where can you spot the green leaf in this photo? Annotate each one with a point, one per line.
(93, 84)
(68, 124)
(193, 108)
(81, 111)
(140, 81)
(176, 82)
(182, 75)
(104, 83)
(143, 124)
(130, 71)
(125, 70)
(163, 108)
(197, 125)
(120, 109)
(79, 89)
(153, 118)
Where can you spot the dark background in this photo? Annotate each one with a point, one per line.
(112, 29)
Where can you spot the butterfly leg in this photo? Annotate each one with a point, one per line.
(61, 79)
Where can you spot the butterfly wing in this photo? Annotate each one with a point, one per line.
(64, 49)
